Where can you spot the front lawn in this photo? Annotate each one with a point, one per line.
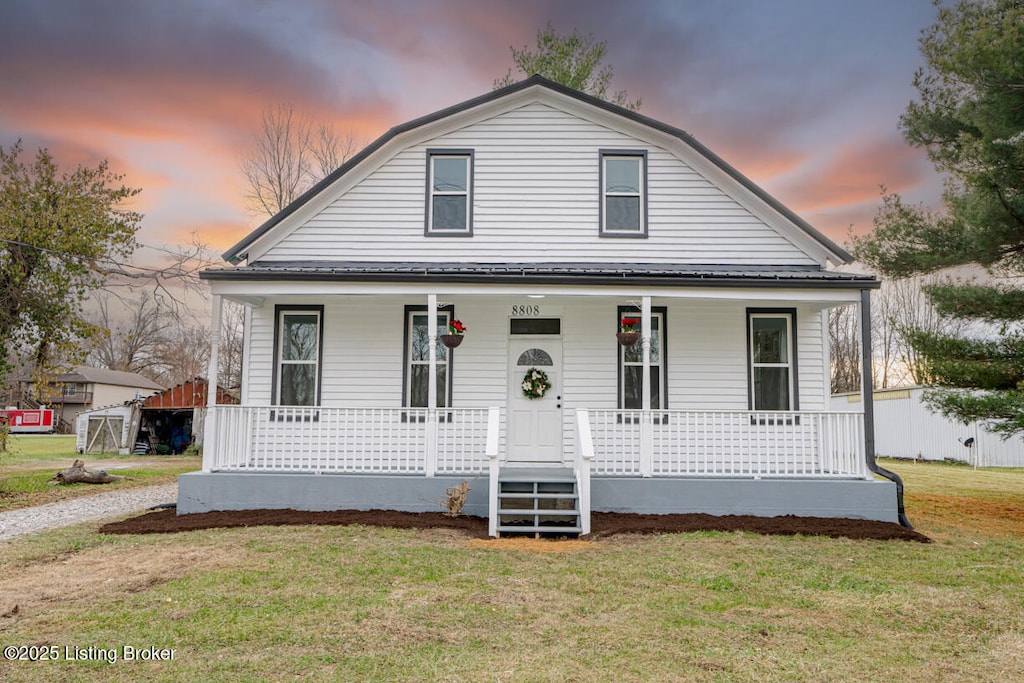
(31, 461)
(369, 604)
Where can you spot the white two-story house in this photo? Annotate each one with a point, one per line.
(539, 218)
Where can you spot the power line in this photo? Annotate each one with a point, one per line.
(119, 264)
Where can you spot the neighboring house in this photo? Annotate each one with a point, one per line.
(86, 388)
(539, 217)
(906, 428)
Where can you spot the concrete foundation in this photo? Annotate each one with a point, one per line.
(855, 499)
(206, 491)
(852, 499)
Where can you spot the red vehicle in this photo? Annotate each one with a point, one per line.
(28, 421)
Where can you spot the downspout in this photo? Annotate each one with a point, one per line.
(867, 394)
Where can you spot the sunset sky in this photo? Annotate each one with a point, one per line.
(802, 96)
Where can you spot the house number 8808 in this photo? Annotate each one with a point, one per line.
(524, 310)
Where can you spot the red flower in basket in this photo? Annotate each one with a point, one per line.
(456, 327)
(631, 324)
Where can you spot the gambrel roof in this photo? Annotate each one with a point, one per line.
(800, 230)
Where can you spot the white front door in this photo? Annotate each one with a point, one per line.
(535, 424)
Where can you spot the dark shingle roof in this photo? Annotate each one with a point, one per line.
(84, 373)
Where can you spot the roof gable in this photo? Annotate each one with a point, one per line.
(532, 90)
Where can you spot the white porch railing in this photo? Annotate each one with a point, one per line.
(667, 443)
(348, 440)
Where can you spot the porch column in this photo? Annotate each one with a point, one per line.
(430, 465)
(867, 381)
(432, 350)
(646, 468)
(210, 424)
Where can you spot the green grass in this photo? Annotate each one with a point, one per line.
(31, 461)
(944, 478)
(362, 604)
(21, 449)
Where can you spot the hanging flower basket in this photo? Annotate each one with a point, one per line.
(629, 333)
(451, 340)
(628, 338)
(456, 330)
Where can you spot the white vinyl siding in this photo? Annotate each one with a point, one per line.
(706, 364)
(536, 197)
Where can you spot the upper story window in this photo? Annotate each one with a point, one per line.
(450, 192)
(623, 193)
(772, 360)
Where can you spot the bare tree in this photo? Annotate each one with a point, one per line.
(183, 355)
(844, 345)
(130, 337)
(230, 371)
(329, 150)
(290, 154)
(901, 305)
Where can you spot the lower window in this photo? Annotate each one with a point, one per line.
(298, 341)
(631, 364)
(417, 358)
(772, 359)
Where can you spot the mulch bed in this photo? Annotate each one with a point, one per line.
(603, 524)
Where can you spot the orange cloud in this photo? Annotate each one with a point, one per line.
(855, 173)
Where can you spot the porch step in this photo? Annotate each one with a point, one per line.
(537, 501)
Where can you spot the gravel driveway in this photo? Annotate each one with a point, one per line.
(83, 509)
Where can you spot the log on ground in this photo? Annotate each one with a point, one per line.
(77, 474)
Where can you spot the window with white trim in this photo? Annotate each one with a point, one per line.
(772, 361)
(298, 347)
(417, 354)
(624, 194)
(449, 192)
(631, 365)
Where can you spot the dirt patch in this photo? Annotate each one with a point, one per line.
(56, 464)
(603, 524)
(95, 573)
(529, 545)
(986, 516)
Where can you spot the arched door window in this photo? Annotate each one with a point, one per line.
(535, 358)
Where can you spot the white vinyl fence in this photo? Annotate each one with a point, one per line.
(905, 428)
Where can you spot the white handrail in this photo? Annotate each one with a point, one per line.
(584, 456)
(494, 468)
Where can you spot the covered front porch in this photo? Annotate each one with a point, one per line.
(694, 418)
(717, 462)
